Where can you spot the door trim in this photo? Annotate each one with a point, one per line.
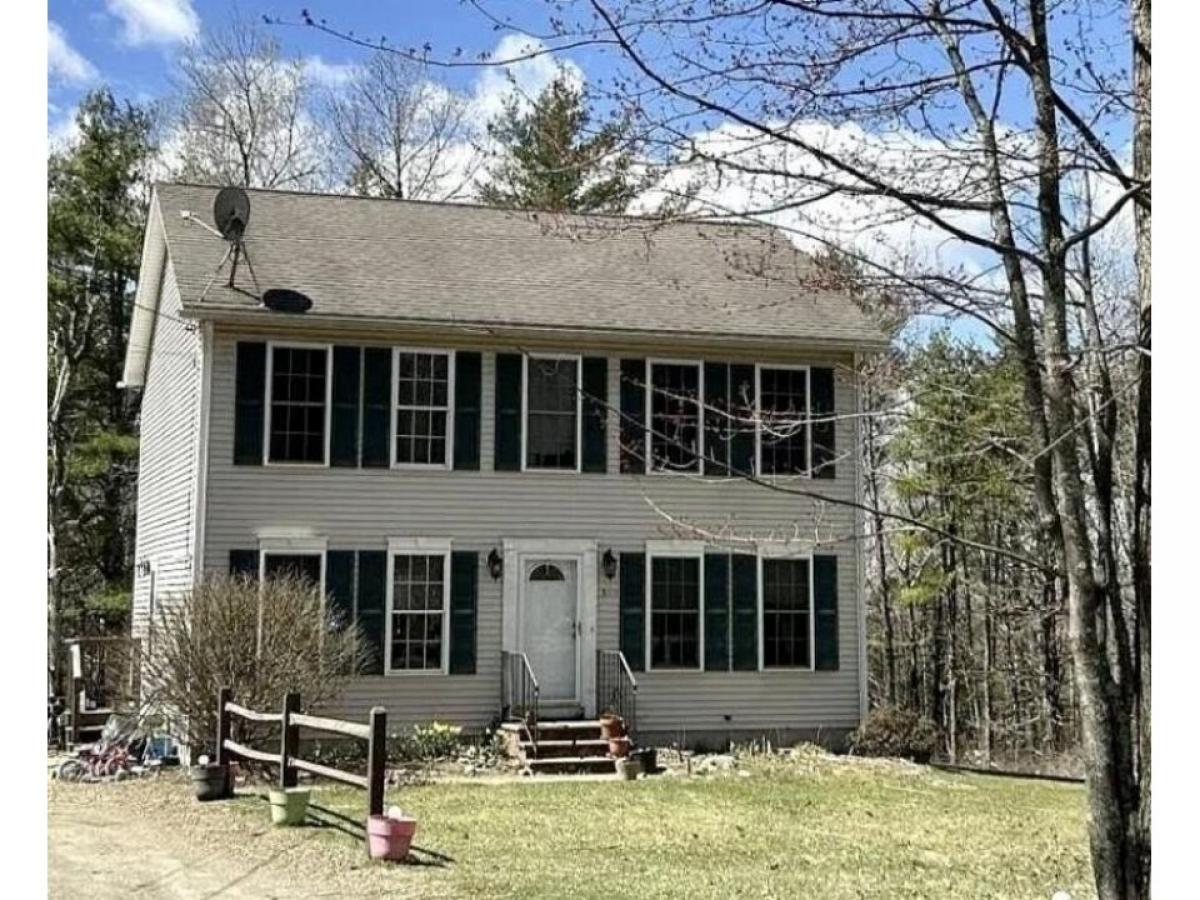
(583, 553)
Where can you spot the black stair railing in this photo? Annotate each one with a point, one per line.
(616, 688)
(520, 693)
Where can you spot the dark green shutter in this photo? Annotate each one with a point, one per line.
(716, 423)
(595, 414)
(745, 612)
(377, 407)
(633, 609)
(244, 563)
(508, 412)
(372, 605)
(633, 416)
(716, 612)
(824, 433)
(468, 388)
(826, 605)
(742, 403)
(339, 586)
(464, 583)
(343, 437)
(249, 397)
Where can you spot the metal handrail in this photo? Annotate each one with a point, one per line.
(521, 693)
(616, 688)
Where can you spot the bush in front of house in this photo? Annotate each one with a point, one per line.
(895, 732)
(260, 639)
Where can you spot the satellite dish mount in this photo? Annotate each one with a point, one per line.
(231, 215)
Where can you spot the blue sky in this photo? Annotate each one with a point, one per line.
(130, 44)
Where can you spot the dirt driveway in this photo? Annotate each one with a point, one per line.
(151, 841)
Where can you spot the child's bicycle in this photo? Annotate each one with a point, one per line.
(122, 746)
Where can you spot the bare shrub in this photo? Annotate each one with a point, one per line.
(261, 640)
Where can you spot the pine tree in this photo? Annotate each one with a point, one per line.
(551, 162)
(97, 198)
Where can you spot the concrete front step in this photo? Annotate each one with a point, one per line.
(560, 730)
(550, 748)
(565, 764)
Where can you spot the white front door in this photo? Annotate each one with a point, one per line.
(550, 625)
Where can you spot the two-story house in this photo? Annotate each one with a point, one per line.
(504, 439)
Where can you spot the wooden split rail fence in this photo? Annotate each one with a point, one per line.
(290, 721)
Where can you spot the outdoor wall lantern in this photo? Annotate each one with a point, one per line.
(495, 563)
(609, 561)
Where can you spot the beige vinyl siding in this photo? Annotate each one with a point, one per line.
(361, 508)
(166, 501)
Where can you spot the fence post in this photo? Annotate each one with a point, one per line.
(289, 740)
(224, 695)
(376, 759)
(76, 709)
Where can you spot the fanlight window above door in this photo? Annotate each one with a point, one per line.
(547, 572)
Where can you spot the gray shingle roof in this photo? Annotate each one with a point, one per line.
(438, 263)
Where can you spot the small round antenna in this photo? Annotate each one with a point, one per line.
(231, 213)
(286, 300)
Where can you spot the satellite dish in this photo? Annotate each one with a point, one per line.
(286, 300)
(231, 213)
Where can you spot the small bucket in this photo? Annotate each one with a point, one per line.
(628, 768)
(288, 806)
(211, 782)
(389, 837)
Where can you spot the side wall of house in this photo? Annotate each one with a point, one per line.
(362, 508)
(166, 501)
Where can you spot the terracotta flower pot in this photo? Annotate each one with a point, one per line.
(390, 837)
(618, 747)
(612, 726)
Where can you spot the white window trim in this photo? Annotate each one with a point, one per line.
(683, 550)
(783, 552)
(758, 420)
(417, 546)
(302, 345)
(283, 542)
(649, 418)
(395, 395)
(525, 358)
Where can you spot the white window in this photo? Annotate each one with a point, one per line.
(289, 552)
(552, 403)
(418, 606)
(785, 612)
(675, 605)
(783, 434)
(674, 416)
(298, 386)
(422, 392)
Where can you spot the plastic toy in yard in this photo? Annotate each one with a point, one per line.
(126, 749)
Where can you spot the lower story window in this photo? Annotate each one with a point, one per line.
(306, 567)
(674, 612)
(787, 613)
(418, 611)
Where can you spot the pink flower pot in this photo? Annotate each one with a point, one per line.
(389, 838)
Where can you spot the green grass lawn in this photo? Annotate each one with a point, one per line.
(812, 827)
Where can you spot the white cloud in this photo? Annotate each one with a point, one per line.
(155, 21)
(63, 130)
(64, 63)
(328, 74)
(526, 78)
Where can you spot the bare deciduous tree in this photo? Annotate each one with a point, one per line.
(402, 135)
(244, 114)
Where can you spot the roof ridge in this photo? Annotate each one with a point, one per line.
(452, 204)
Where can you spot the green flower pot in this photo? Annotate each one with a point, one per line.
(288, 807)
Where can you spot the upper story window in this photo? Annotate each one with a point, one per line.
(787, 620)
(552, 413)
(675, 417)
(783, 432)
(423, 394)
(298, 404)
